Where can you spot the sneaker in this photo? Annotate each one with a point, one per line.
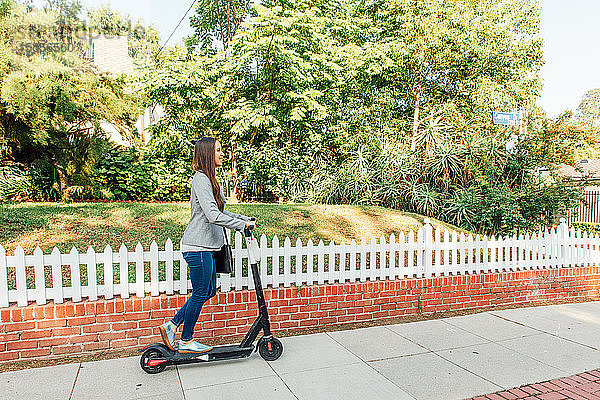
(193, 347)
(168, 335)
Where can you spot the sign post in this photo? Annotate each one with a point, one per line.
(509, 119)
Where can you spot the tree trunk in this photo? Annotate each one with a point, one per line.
(228, 23)
(221, 27)
(237, 192)
(415, 127)
(63, 179)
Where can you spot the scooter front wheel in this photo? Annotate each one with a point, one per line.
(153, 361)
(270, 349)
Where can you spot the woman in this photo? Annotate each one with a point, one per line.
(203, 235)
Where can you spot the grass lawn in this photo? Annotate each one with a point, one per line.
(97, 224)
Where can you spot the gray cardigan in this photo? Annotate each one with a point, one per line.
(205, 229)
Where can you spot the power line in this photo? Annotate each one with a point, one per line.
(179, 23)
(169, 38)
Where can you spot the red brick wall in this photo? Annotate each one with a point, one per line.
(56, 330)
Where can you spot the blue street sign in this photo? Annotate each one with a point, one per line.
(244, 184)
(505, 118)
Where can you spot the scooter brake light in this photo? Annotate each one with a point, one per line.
(154, 363)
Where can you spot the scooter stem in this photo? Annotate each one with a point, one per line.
(262, 321)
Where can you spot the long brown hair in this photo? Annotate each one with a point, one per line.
(204, 161)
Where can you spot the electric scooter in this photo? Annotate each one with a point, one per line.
(157, 356)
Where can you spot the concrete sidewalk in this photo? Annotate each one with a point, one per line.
(452, 358)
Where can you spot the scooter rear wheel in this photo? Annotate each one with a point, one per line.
(150, 361)
(270, 349)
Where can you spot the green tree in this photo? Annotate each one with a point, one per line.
(312, 95)
(475, 54)
(51, 102)
(215, 23)
(266, 95)
(588, 111)
(565, 139)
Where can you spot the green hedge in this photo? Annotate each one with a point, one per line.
(589, 227)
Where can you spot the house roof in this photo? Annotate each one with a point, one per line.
(585, 168)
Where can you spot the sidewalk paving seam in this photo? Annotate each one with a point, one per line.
(444, 358)
(428, 349)
(394, 357)
(541, 332)
(312, 369)
(75, 381)
(507, 320)
(540, 361)
(238, 380)
(498, 342)
(469, 371)
(548, 333)
(521, 337)
(374, 369)
(463, 347)
(282, 380)
(180, 383)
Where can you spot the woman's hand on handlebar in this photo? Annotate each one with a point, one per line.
(250, 225)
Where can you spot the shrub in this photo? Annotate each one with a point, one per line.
(288, 173)
(14, 183)
(34, 183)
(170, 180)
(483, 190)
(589, 227)
(121, 172)
(169, 156)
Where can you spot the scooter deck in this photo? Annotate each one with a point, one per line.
(227, 352)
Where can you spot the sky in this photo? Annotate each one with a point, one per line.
(571, 32)
(570, 28)
(164, 15)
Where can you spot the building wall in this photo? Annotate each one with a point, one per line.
(111, 54)
(56, 330)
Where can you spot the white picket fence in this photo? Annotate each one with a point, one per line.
(424, 253)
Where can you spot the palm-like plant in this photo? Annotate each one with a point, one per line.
(446, 163)
(431, 132)
(482, 154)
(14, 182)
(460, 209)
(353, 182)
(389, 169)
(425, 199)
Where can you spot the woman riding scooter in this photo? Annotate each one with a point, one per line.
(203, 236)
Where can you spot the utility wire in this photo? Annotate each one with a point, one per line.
(179, 23)
(169, 38)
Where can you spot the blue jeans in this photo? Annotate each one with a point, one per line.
(204, 286)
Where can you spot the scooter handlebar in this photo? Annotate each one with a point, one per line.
(248, 230)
